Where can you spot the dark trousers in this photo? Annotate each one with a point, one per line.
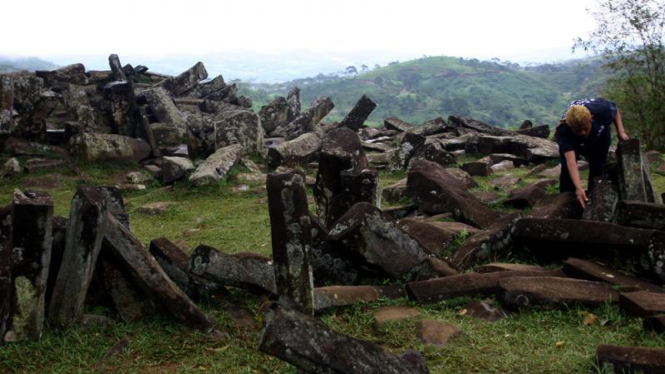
(595, 154)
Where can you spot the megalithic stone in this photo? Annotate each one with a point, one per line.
(290, 228)
(31, 239)
(634, 177)
(620, 359)
(244, 270)
(85, 230)
(5, 287)
(314, 348)
(308, 120)
(116, 68)
(187, 80)
(149, 276)
(293, 103)
(6, 104)
(602, 202)
(357, 186)
(640, 214)
(358, 115)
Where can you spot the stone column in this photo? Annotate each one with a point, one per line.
(291, 240)
(31, 239)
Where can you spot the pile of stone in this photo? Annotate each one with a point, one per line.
(50, 267)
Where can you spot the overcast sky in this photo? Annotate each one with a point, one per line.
(464, 28)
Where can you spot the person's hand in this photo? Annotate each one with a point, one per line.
(581, 197)
(623, 136)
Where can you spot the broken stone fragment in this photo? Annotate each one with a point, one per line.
(620, 359)
(435, 236)
(176, 168)
(357, 116)
(528, 196)
(290, 228)
(273, 114)
(314, 348)
(435, 290)
(245, 270)
(555, 291)
(634, 175)
(641, 214)
(602, 201)
(217, 165)
(338, 296)
(241, 127)
(583, 269)
(357, 186)
(308, 120)
(341, 150)
(187, 80)
(302, 149)
(164, 109)
(436, 191)
(469, 123)
(643, 303)
(368, 232)
(557, 206)
(149, 276)
(108, 147)
(394, 123)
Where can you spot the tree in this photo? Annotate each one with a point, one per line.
(629, 35)
(364, 68)
(351, 70)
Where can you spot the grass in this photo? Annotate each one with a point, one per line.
(531, 341)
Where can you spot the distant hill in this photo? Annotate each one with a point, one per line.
(8, 64)
(499, 93)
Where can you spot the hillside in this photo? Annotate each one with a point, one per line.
(501, 94)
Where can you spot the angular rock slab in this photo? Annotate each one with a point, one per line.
(338, 296)
(494, 242)
(357, 116)
(555, 291)
(643, 303)
(618, 359)
(86, 227)
(436, 191)
(215, 167)
(583, 269)
(290, 228)
(293, 152)
(31, 238)
(497, 266)
(305, 343)
(149, 276)
(109, 147)
(245, 270)
(464, 284)
(369, 232)
(634, 176)
(602, 201)
(641, 214)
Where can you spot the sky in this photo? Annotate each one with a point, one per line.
(464, 28)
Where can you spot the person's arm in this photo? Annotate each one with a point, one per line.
(571, 162)
(621, 132)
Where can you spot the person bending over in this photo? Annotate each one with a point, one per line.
(584, 129)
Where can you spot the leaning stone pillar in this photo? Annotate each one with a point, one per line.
(291, 240)
(31, 239)
(85, 230)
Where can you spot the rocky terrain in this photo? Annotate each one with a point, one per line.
(194, 130)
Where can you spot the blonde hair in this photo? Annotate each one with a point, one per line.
(578, 117)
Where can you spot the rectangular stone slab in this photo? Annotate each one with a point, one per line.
(555, 291)
(641, 214)
(312, 347)
(497, 266)
(583, 269)
(643, 303)
(631, 359)
(31, 238)
(336, 296)
(250, 271)
(434, 290)
(85, 231)
(150, 277)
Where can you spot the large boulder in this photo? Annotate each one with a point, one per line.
(239, 127)
(108, 147)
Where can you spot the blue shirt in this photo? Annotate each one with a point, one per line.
(602, 112)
